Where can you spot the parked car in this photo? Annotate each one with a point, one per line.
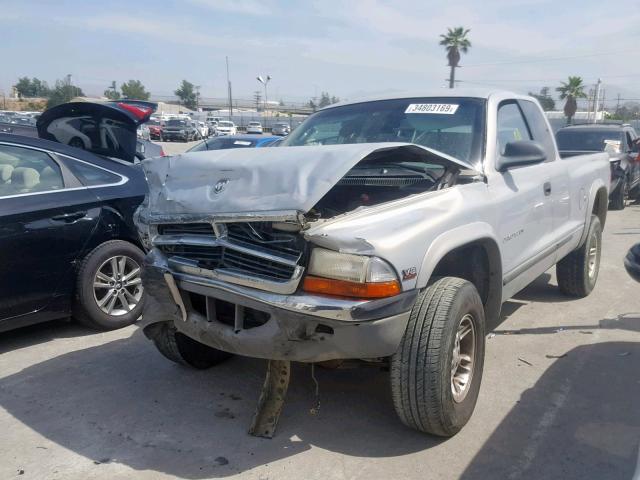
(213, 125)
(108, 129)
(179, 129)
(388, 230)
(68, 245)
(143, 132)
(632, 262)
(155, 129)
(233, 141)
(282, 129)
(203, 129)
(226, 128)
(619, 142)
(254, 127)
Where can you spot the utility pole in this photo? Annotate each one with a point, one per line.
(597, 99)
(197, 96)
(618, 105)
(264, 81)
(229, 90)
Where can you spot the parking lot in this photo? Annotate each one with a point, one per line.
(558, 400)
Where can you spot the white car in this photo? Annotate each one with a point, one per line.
(226, 128)
(203, 128)
(254, 127)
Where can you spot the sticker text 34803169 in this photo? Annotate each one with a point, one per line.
(437, 108)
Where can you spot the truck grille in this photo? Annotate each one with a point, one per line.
(253, 249)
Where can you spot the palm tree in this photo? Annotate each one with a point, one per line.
(571, 91)
(455, 41)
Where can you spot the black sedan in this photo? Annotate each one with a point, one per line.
(68, 245)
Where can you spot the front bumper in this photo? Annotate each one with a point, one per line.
(297, 327)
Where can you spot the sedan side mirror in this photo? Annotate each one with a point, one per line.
(519, 153)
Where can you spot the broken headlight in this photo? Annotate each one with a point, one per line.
(347, 275)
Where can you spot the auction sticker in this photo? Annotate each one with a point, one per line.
(438, 108)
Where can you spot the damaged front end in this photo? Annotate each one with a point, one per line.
(233, 266)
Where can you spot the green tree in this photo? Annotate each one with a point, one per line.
(546, 102)
(455, 42)
(187, 94)
(63, 92)
(29, 88)
(571, 91)
(134, 90)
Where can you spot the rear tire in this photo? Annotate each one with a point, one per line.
(96, 268)
(437, 370)
(618, 202)
(186, 351)
(578, 272)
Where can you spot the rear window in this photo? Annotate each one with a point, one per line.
(177, 123)
(223, 144)
(590, 140)
(91, 176)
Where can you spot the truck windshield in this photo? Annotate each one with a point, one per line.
(590, 140)
(452, 125)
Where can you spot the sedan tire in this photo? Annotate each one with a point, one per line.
(109, 292)
(437, 369)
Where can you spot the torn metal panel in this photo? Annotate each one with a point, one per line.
(274, 392)
(229, 183)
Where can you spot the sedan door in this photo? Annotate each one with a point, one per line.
(46, 219)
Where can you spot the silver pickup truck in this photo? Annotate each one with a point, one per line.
(389, 230)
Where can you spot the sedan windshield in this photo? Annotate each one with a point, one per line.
(452, 125)
(225, 124)
(589, 140)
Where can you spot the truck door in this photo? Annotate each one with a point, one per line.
(566, 217)
(523, 205)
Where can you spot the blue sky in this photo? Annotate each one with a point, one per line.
(348, 47)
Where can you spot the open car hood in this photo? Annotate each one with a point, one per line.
(107, 129)
(263, 181)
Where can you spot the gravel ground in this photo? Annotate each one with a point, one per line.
(559, 399)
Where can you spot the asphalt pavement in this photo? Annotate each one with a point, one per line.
(559, 399)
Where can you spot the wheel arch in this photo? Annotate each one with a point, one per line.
(470, 252)
(598, 205)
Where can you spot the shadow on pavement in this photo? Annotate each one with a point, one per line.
(41, 333)
(122, 402)
(580, 420)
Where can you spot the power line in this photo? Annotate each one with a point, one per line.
(551, 59)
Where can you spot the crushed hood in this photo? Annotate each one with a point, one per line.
(258, 181)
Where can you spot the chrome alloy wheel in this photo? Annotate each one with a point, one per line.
(463, 358)
(594, 256)
(117, 285)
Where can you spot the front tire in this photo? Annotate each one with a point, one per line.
(437, 370)
(109, 292)
(184, 350)
(578, 272)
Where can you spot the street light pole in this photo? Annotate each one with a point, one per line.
(264, 81)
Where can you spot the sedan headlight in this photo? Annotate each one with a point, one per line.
(347, 275)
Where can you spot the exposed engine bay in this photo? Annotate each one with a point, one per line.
(384, 177)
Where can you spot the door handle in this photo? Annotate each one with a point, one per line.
(69, 217)
(547, 188)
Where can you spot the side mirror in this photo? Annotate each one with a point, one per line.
(632, 262)
(521, 152)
